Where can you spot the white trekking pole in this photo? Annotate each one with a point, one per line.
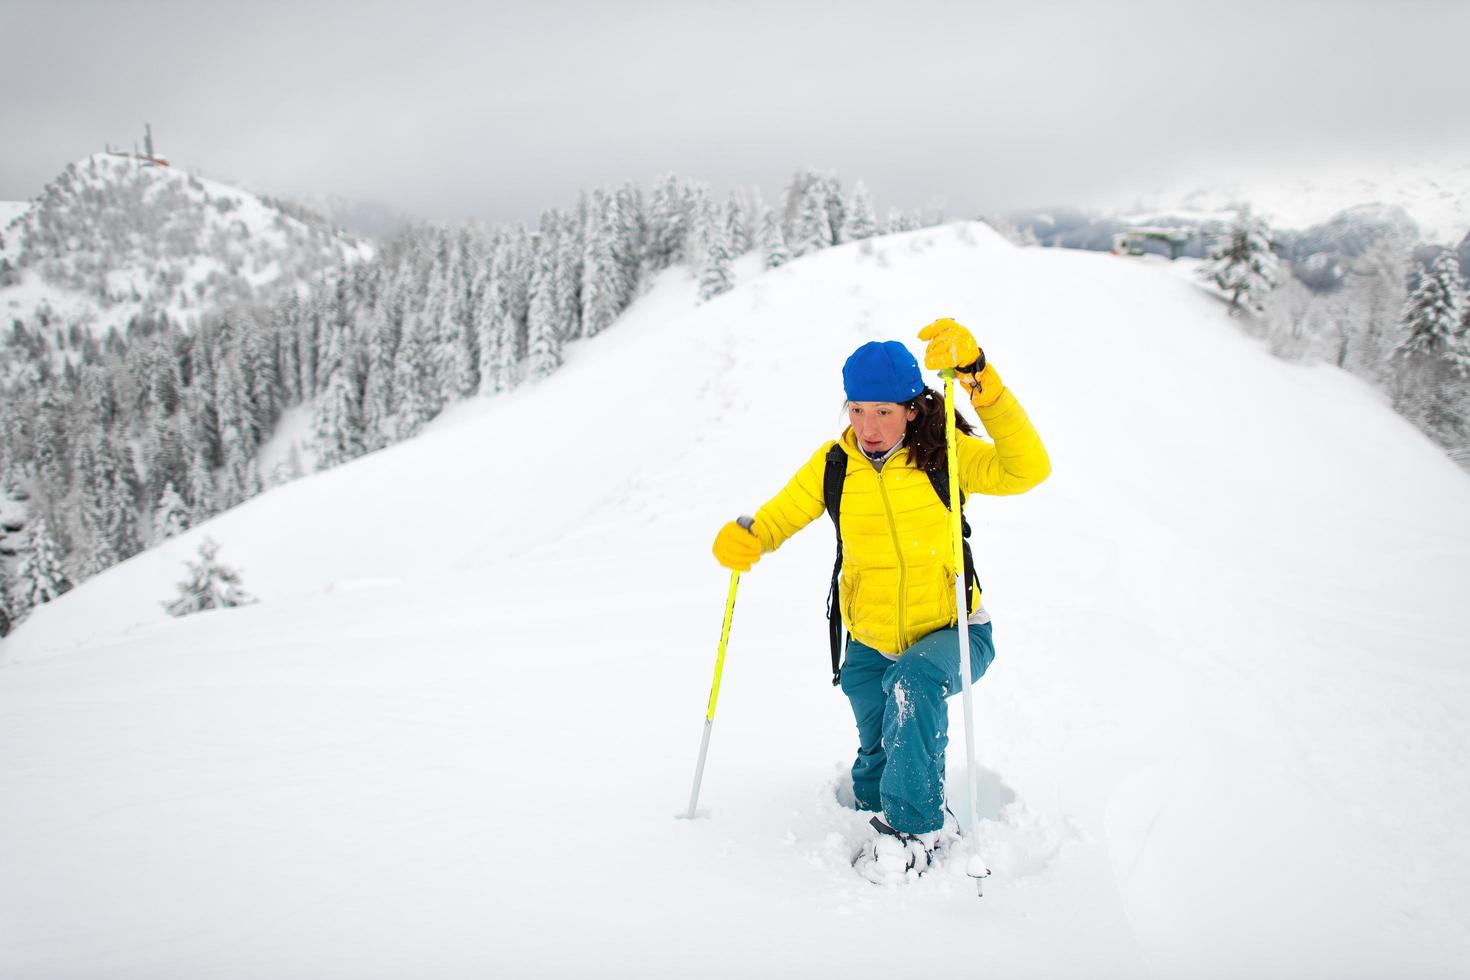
(976, 867)
(714, 689)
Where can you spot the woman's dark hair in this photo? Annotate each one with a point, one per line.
(924, 436)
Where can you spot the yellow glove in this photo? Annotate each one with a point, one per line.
(737, 546)
(950, 345)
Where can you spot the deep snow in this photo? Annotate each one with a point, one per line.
(1224, 734)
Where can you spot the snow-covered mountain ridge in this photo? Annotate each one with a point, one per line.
(110, 239)
(1223, 735)
(1436, 196)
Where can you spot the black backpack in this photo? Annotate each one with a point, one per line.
(832, 481)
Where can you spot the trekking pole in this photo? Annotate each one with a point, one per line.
(714, 690)
(976, 867)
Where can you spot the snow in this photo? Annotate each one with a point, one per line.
(1223, 735)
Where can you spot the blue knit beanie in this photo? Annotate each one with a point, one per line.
(881, 372)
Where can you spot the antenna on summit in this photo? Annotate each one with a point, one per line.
(147, 158)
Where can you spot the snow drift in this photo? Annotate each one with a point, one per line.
(1223, 736)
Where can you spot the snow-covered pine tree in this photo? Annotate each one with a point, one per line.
(497, 326)
(163, 454)
(700, 210)
(335, 323)
(165, 384)
(813, 224)
(439, 333)
(170, 516)
(199, 402)
(1432, 317)
(1242, 263)
(518, 243)
(542, 327)
(570, 246)
(1464, 334)
(308, 339)
(629, 243)
(667, 224)
(7, 616)
(836, 207)
(861, 222)
(287, 341)
(336, 423)
(1432, 364)
(39, 574)
(260, 370)
(600, 274)
(52, 441)
(420, 397)
(715, 276)
(737, 227)
(236, 448)
(210, 585)
(774, 252)
(200, 489)
(107, 496)
(463, 312)
(379, 396)
(792, 201)
(87, 521)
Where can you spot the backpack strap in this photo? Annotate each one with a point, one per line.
(939, 477)
(832, 481)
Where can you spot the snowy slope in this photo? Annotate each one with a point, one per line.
(1223, 737)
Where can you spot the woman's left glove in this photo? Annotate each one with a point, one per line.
(737, 546)
(950, 346)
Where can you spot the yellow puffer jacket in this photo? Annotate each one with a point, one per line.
(897, 566)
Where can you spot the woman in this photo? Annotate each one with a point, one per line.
(897, 592)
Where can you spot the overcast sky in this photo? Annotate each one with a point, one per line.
(497, 111)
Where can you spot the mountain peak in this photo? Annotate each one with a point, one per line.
(114, 236)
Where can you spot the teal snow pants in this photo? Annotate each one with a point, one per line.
(903, 723)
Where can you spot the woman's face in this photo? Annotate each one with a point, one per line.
(879, 425)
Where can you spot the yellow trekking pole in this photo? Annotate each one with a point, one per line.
(976, 867)
(714, 690)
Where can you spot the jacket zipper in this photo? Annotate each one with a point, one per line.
(898, 553)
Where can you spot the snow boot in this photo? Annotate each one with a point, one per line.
(892, 857)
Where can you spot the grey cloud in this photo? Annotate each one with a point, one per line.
(497, 111)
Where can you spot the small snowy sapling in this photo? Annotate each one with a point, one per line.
(210, 585)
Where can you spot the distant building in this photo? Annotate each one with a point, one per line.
(1131, 241)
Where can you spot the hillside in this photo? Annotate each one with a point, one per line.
(1223, 735)
(109, 240)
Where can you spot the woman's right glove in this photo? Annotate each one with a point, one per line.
(737, 546)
